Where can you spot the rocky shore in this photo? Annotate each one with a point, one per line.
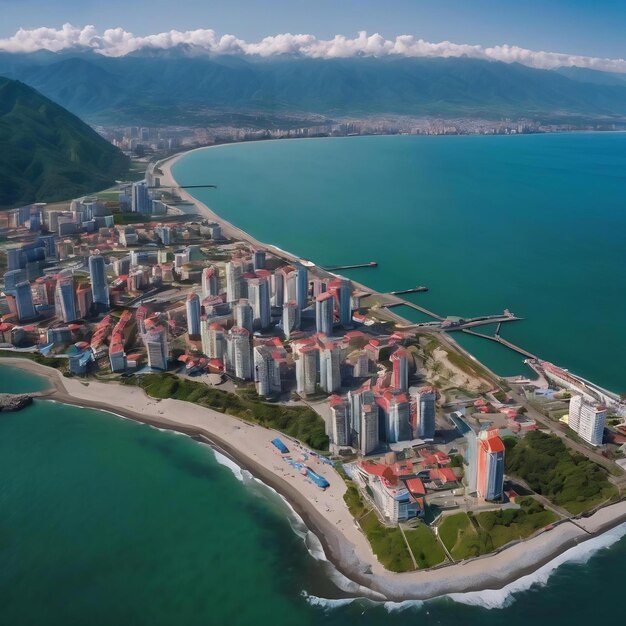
(14, 401)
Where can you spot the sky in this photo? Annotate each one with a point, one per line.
(583, 27)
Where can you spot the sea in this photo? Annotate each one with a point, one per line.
(532, 223)
(107, 521)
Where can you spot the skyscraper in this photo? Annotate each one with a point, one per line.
(259, 297)
(210, 281)
(302, 286)
(266, 371)
(587, 419)
(400, 374)
(324, 313)
(339, 432)
(306, 370)
(330, 368)
(155, 341)
(99, 287)
(490, 465)
(213, 339)
(259, 259)
(397, 414)
(425, 399)
(193, 314)
(244, 315)
(141, 202)
(234, 281)
(368, 427)
(291, 317)
(64, 296)
(24, 301)
(239, 353)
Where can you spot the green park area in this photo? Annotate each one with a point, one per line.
(468, 535)
(567, 478)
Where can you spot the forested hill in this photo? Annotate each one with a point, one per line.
(47, 153)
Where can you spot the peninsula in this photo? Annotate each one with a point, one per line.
(403, 454)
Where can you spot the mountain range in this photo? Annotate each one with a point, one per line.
(47, 152)
(182, 86)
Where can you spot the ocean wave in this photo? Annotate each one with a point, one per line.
(580, 554)
(328, 604)
(222, 459)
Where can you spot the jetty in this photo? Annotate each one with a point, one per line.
(14, 401)
(337, 268)
(418, 289)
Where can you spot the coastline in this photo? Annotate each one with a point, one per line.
(324, 513)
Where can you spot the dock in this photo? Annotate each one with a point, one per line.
(418, 289)
(337, 268)
(504, 342)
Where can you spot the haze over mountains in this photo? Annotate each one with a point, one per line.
(182, 85)
(48, 153)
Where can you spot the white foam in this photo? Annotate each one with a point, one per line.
(328, 603)
(229, 463)
(501, 598)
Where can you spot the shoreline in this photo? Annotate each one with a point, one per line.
(325, 513)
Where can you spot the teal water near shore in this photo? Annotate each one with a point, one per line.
(533, 223)
(105, 521)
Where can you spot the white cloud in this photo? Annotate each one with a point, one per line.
(118, 42)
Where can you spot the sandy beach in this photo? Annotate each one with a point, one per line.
(324, 512)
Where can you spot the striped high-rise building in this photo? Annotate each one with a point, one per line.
(490, 465)
(239, 353)
(266, 371)
(210, 281)
(400, 372)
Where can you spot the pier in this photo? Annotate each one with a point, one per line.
(337, 268)
(418, 289)
(417, 307)
(504, 342)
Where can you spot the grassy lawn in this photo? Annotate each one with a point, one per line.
(425, 547)
(353, 499)
(387, 543)
(461, 538)
(511, 524)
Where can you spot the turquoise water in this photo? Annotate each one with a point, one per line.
(534, 223)
(105, 521)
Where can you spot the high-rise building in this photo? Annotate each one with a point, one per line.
(193, 314)
(279, 286)
(490, 465)
(368, 427)
(259, 298)
(291, 317)
(239, 353)
(99, 287)
(302, 286)
(324, 313)
(24, 301)
(306, 370)
(213, 339)
(587, 419)
(397, 415)
(339, 427)
(400, 373)
(330, 368)
(234, 281)
(210, 281)
(266, 371)
(155, 341)
(244, 315)
(84, 299)
(164, 233)
(425, 399)
(65, 297)
(258, 259)
(141, 202)
(340, 288)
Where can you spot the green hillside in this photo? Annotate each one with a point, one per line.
(47, 153)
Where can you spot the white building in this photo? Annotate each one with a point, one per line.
(587, 419)
(266, 371)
